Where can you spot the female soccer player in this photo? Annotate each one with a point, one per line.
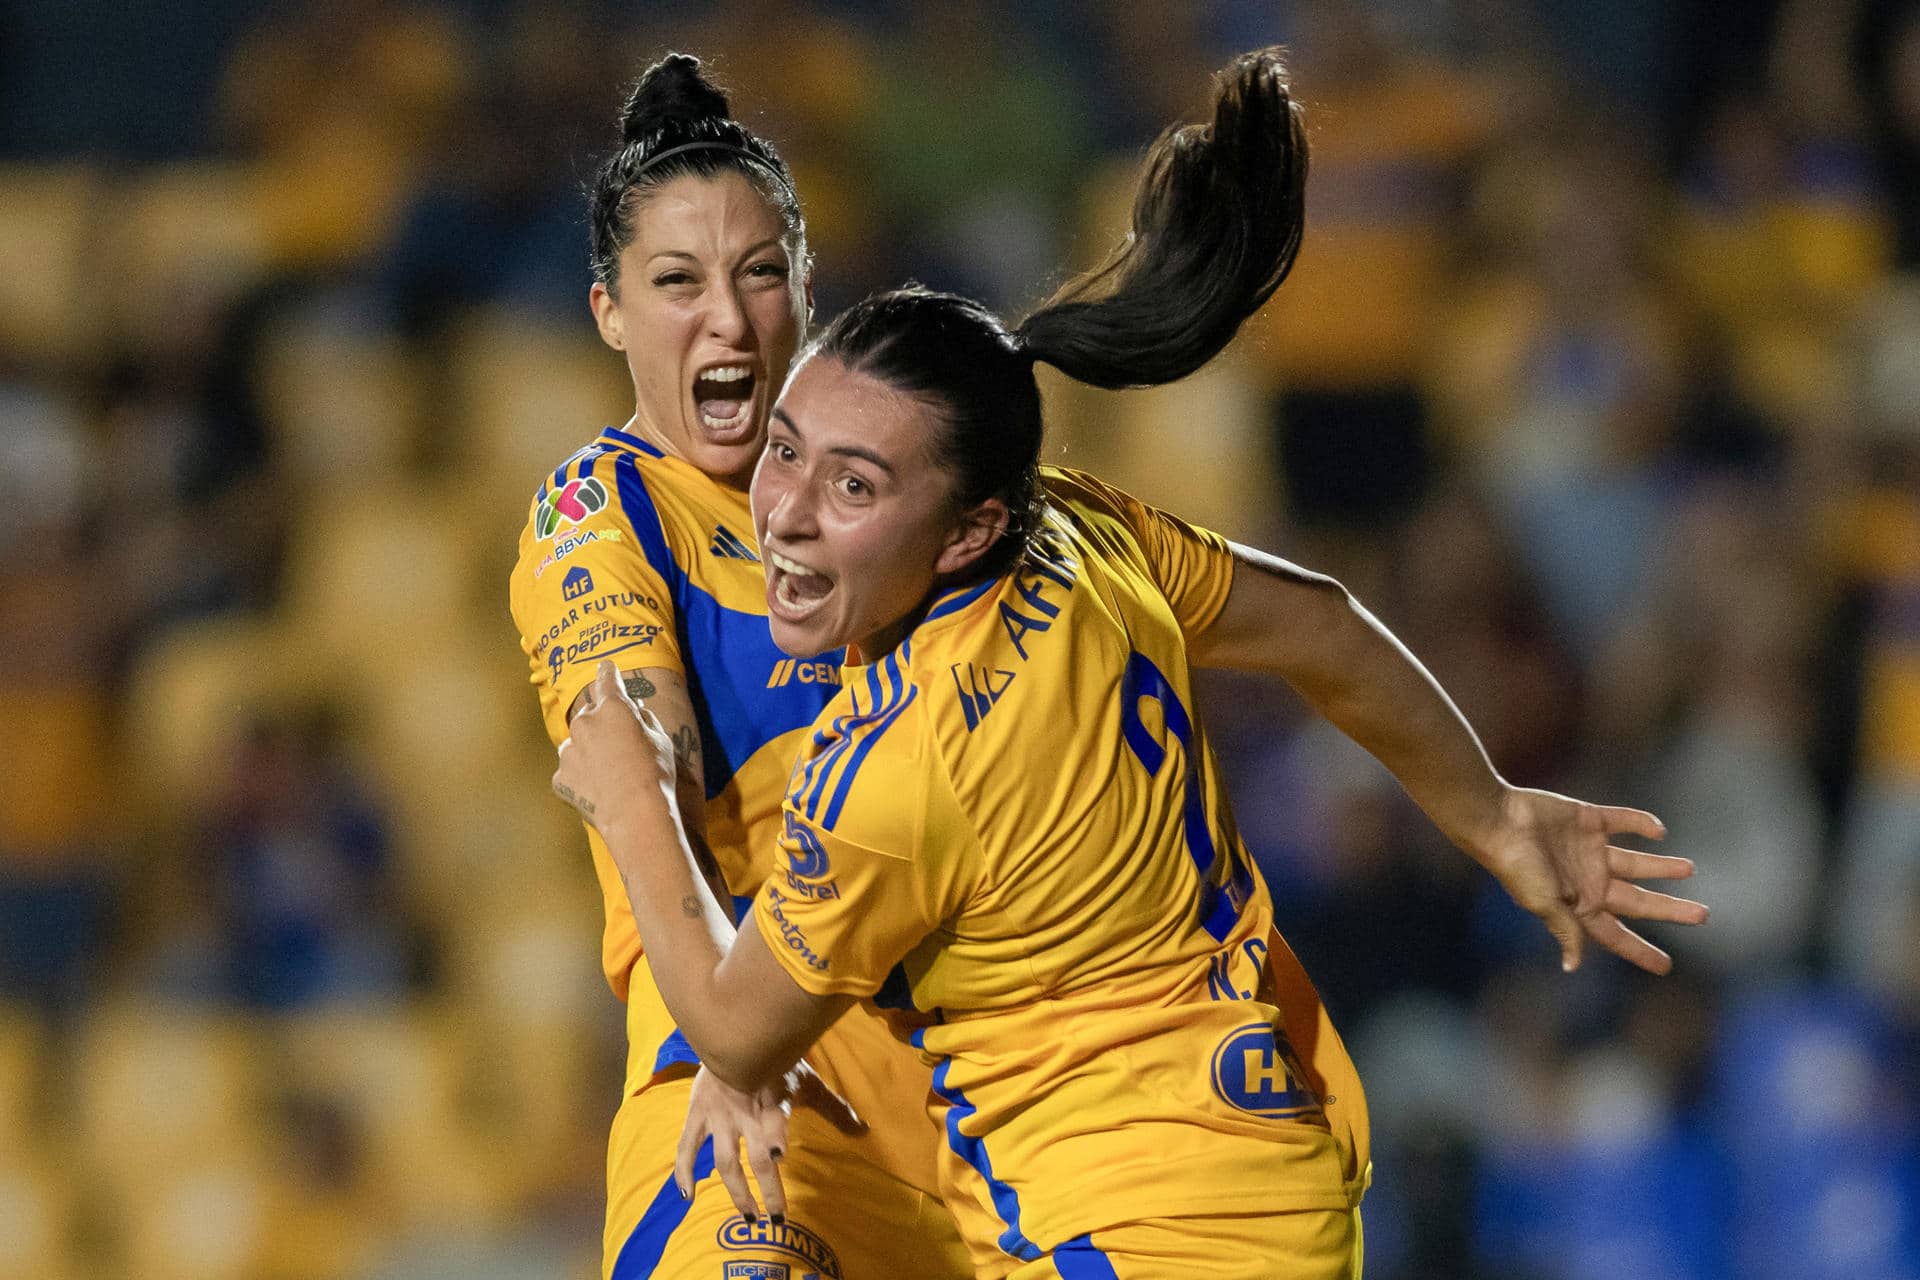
(1008, 824)
(640, 549)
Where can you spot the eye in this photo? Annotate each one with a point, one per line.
(782, 452)
(669, 279)
(768, 270)
(854, 487)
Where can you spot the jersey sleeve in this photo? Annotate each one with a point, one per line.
(1192, 566)
(584, 589)
(856, 886)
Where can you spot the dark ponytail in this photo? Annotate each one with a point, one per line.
(1216, 225)
(677, 122)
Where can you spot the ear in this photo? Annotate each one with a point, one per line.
(978, 529)
(606, 315)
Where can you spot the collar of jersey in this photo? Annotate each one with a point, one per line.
(632, 441)
(946, 606)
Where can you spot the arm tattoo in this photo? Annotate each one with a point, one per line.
(686, 747)
(566, 793)
(690, 907)
(638, 686)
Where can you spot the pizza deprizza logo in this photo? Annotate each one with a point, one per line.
(568, 505)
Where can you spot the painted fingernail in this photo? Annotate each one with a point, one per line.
(779, 1219)
(753, 1219)
(683, 1191)
(777, 1153)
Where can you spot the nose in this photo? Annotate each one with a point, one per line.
(727, 316)
(788, 510)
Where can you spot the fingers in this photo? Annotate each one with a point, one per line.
(1635, 903)
(766, 1170)
(1631, 864)
(1635, 821)
(1566, 931)
(726, 1162)
(691, 1136)
(1606, 929)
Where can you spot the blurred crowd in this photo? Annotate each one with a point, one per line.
(1598, 380)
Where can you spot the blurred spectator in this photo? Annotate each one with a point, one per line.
(299, 871)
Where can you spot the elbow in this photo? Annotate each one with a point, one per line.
(745, 1067)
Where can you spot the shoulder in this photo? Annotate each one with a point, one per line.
(865, 774)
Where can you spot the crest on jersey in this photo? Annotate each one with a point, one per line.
(568, 505)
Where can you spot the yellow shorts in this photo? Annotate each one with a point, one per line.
(845, 1216)
(1315, 1245)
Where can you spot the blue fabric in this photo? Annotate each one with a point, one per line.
(643, 1249)
(1077, 1259)
(675, 1051)
(1006, 1201)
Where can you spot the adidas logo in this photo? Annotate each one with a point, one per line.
(980, 688)
(727, 543)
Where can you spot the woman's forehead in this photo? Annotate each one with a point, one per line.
(701, 215)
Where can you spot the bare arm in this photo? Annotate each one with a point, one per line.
(1550, 852)
(740, 1010)
(663, 691)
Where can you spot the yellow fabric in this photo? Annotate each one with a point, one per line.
(656, 567)
(993, 838)
(1321, 1245)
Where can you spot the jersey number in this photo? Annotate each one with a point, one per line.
(1220, 903)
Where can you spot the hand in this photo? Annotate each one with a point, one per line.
(717, 1109)
(1551, 853)
(618, 753)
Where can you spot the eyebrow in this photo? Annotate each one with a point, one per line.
(847, 450)
(769, 243)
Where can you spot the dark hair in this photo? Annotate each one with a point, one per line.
(674, 108)
(1217, 221)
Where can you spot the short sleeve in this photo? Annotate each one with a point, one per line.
(852, 895)
(1192, 566)
(584, 589)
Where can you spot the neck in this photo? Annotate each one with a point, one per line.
(638, 426)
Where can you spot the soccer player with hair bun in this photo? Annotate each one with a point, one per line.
(1008, 825)
(639, 551)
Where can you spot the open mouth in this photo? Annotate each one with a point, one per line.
(795, 591)
(723, 396)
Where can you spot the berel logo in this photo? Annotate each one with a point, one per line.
(577, 583)
(568, 505)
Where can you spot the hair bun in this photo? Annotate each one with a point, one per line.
(672, 90)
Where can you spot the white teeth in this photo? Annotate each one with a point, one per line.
(728, 373)
(785, 565)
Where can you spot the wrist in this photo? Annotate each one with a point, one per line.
(1485, 821)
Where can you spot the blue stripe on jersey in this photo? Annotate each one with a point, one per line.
(860, 754)
(584, 468)
(727, 653)
(959, 598)
(641, 1253)
(1077, 1259)
(675, 1052)
(632, 441)
(1006, 1201)
(845, 726)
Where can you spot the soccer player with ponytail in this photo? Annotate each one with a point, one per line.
(639, 549)
(1009, 827)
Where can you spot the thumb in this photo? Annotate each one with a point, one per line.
(607, 689)
(1566, 931)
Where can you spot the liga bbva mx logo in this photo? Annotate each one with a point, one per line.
(570, 504)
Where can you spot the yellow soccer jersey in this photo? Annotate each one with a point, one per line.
(1011, 831)
(637, 556)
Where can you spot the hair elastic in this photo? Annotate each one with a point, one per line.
(760, 160)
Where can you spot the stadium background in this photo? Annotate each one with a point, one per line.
(1599, 379)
